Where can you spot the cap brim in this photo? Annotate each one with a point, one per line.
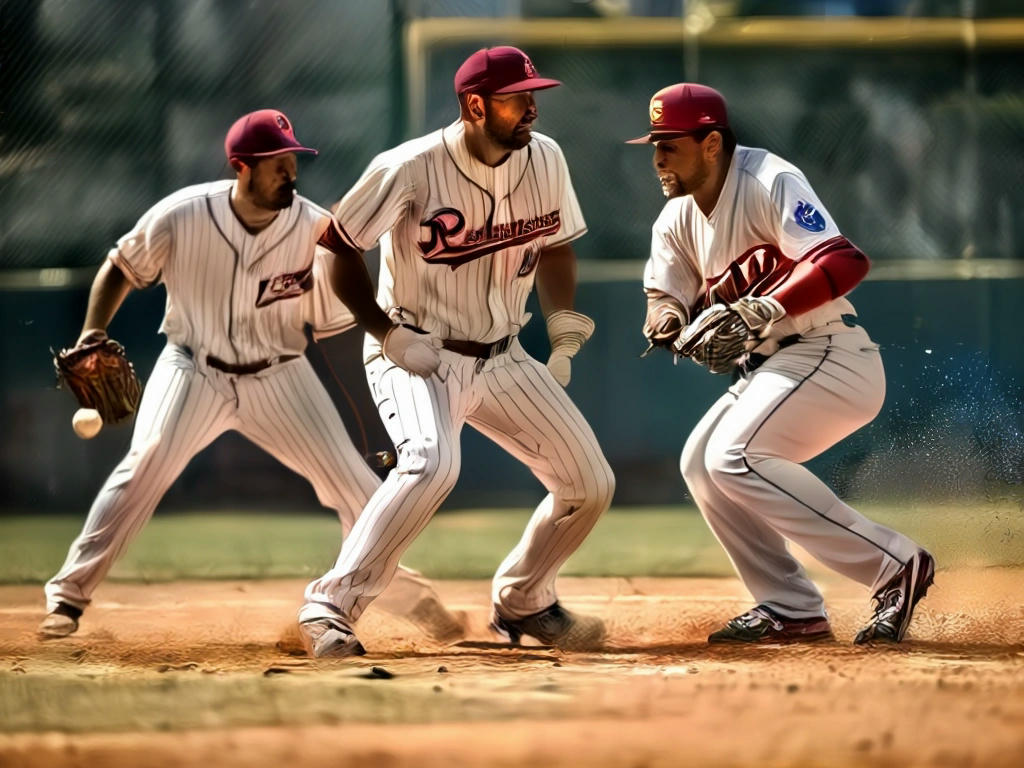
(284, 151)
(273, 153)
(656, 136)
(530, 84)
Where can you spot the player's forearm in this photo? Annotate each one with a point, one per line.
(351, 283)
(109, 289)
(556, 279)
(820, 277)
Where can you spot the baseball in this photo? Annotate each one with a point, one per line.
(87, 422)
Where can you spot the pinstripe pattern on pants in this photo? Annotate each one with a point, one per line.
(511, 399)
(186, 405)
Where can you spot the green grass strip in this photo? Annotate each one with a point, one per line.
(640, 541)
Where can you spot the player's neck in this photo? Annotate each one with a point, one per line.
(483, 149)
(251, 216)
(707, 196)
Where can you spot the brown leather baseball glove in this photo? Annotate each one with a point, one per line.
(99, 375)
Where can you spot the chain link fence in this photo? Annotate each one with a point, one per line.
(108, 105)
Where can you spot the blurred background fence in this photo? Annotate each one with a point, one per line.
(906, 115)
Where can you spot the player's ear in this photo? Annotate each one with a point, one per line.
(476, 105)
(237, 164)
(713, 144)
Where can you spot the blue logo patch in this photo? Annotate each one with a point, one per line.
(808, 217)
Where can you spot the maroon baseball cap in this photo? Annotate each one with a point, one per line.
(499, 70)
(682, 109)
(264, 133)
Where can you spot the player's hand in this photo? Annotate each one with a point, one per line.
(560, 365)
(567, 331)
(412, 349)
(664, 322)
(90, 336)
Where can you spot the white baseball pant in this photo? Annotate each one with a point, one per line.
(283, 409)
(513, 400)
(742, 465)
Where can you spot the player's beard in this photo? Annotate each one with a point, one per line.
(277, 200)
(672, 185)
(515, 137)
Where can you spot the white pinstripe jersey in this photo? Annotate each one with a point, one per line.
(459, 239)
(237, 296)
(766, 219)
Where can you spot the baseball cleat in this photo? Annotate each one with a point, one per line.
(895, 602)
(329, 638)
(437, 622)
(60, 622)
(553, 626)
(763, 625)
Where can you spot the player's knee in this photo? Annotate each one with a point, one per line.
(602, 487)
(423, 459)
(594, 489)
(692, 465)
(724, 464)
(145, 462)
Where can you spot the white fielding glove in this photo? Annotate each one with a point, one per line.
(413, 350)
(567, 331)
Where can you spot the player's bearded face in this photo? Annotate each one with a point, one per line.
(680, 166)
(508, 119)
(272, 183)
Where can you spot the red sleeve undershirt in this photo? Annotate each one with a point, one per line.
(333, 240)
(828, 272)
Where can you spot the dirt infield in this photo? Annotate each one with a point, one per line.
(205, 674)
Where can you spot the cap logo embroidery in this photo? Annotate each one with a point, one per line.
(657, 110)
(531, 71)
(281, 122)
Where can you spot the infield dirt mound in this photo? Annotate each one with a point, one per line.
(204, 673)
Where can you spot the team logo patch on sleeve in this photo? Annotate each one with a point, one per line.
(808, 217)
(284, 286)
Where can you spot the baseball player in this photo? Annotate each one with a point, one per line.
(237, 259)
(469, 218)
(747, 274)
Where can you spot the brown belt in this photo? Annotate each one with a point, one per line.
(244, 369)
(478, 348)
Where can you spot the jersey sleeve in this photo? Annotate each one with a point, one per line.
(570, 214)
(323, 310)
(373, 206)
(800, 221)
(141, 253)
(670, 271)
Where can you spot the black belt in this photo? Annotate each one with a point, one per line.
(478, 348)
(245, 369)
(755, 361)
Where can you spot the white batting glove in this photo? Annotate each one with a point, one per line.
(567, 331)
(759, 314)
(412, 349)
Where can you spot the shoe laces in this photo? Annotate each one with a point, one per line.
(755, 617)
(888, 603)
